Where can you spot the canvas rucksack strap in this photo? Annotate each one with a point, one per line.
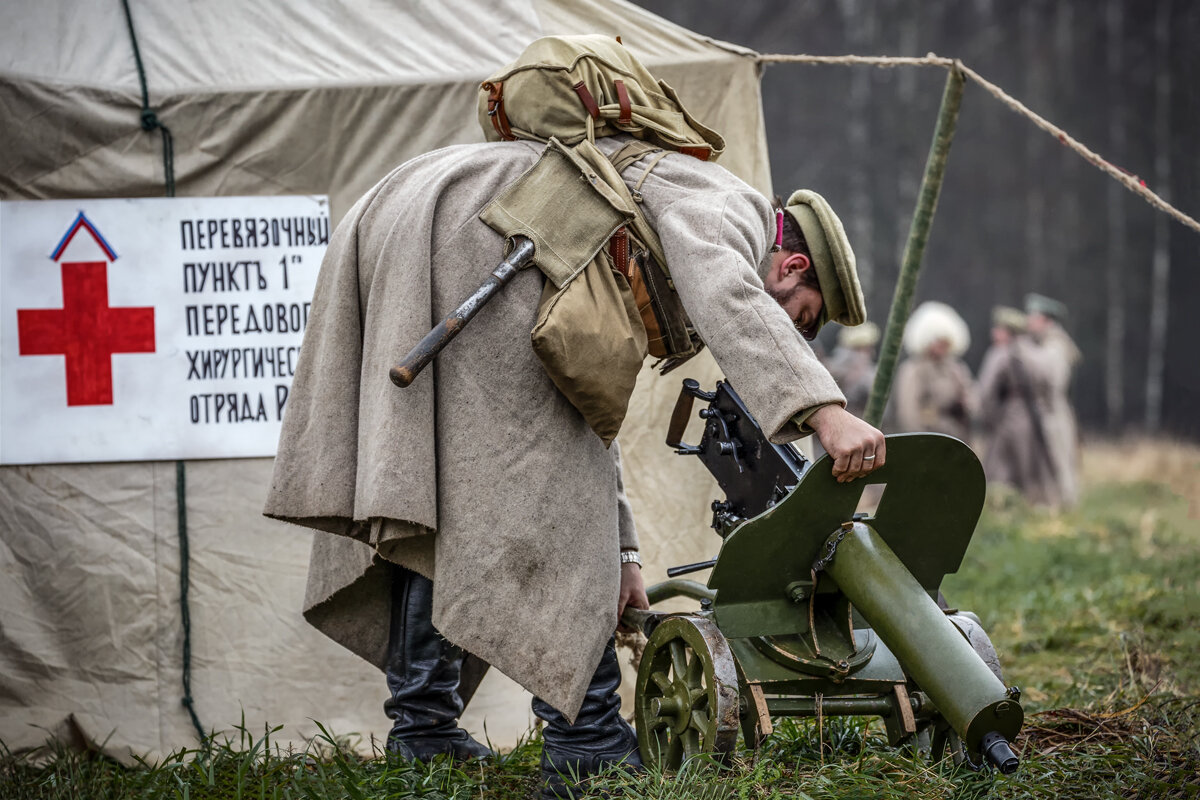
(639, 257)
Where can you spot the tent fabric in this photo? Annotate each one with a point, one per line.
(274, 97)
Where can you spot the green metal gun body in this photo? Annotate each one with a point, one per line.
(837, 605)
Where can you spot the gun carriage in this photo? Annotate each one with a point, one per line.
(814, 607)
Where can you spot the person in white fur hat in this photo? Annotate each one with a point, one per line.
(934, 389)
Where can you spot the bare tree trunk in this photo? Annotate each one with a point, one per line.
(859, 19)
(1032, 22)
(908, 182)
(1160, 281)
(1114, 374)
(1066, 246)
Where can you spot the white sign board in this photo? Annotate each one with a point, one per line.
(152, 329)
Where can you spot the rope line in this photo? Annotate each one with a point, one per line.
(1130, 181)
(150, 122)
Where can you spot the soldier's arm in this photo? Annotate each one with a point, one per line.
(714, 240)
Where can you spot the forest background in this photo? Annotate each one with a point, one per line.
(1019, 212)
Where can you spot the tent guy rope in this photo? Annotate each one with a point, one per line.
(1126, 179)
(151, 122)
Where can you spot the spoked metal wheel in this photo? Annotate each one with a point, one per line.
(687, 693)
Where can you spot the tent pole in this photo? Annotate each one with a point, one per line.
(914, 249)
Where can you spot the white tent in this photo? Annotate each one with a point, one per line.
(264, 98)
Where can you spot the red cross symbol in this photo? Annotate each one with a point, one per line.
(87, 331)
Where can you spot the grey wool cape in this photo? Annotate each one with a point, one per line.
(480, 474)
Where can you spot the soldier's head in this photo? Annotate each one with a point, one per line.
(936, 331)
(1043, 313)
(862, 338)
(792, 280)
(1007, 324)
(813, 275)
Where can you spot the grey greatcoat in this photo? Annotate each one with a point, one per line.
(854, 371)
(935, 395)
(1014, 397)
(481, 475)
(1057, 356)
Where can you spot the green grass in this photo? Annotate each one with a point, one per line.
(1094, 613)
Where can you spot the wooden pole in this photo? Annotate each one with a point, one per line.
(914, 250)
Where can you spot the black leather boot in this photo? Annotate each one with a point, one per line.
(598, 738)
(422, 675)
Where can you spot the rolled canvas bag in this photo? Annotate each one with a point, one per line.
(581, 87)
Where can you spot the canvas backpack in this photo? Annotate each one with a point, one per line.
(596, 324)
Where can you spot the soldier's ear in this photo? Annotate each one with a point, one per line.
(794, 263)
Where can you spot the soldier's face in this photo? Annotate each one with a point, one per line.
(939, 349)
(1038, 323)
(787, 285)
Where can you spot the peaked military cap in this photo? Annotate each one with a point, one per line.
(832, 257)
(865, 335)
(1040, 304)
(1008, 317)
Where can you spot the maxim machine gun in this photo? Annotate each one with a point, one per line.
(815, 608)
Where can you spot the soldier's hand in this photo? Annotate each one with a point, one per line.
(633, 593)
(855, 447)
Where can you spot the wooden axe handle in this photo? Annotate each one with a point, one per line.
(432, 343)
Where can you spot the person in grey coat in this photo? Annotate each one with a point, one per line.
(1014, 395)
(1057, 355)
(475, 510)
(852, 364)
(934, 389)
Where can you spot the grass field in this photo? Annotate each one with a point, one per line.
(1094, 613)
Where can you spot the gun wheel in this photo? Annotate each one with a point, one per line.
(687, 693)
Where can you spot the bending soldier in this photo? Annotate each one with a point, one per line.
(477, 511)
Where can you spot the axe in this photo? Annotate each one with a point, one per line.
(444, 332)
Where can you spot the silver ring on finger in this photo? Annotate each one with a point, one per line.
(869, 458)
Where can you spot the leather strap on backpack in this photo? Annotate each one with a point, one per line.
(589, 102)
(495, 110)
(618, 249)
(669, 332)
(626, 115)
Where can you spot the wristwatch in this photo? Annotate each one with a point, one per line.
(631, 557)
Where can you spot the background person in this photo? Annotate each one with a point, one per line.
(1058, 356)
(934, 390)
(852, 364)
(1014, 394)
